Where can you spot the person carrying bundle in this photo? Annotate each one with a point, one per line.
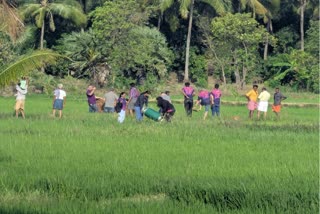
(167, 110)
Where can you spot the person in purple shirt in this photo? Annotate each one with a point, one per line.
(133, 96)
(122, 113)
(188, 93)
(215, 100)
(204, 100)
(91, 99)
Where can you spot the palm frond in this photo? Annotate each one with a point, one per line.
(165, 4)
(184, 8)
(218, 6)
(27, 64)
(69, 12)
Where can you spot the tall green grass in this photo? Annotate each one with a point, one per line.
(88, 163)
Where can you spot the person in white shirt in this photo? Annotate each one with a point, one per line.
(20, 100)
(59, 100)
(263, 97)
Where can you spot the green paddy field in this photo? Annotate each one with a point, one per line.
(88, 163)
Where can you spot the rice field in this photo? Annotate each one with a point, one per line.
(89, 163)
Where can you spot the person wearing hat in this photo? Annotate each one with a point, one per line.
(59, 100)
(110, 101)
(263, 97)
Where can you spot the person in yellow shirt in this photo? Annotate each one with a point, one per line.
(263, 97)
(252, 96)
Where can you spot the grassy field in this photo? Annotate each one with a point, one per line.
(88, 163)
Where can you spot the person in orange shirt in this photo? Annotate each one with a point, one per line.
(252, 96)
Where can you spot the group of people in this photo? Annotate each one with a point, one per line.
(208, 99)
(137, 103)
(261, 101)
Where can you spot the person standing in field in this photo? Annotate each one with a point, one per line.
(122, 113)
(188, 93)
(59, 100)
(142, 101)
(133, 96)
(215, 100)
(278, 97)
(20, 99)
(252, 96)
(263, 97)
(204, 100)
(110, 101)
(91, 99)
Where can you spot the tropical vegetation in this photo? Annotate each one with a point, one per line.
(121, 41)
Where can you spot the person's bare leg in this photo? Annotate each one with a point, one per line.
(53, 112)
(258, 115)
(250, 114)
(17, 113)
(265, 115)
(22, 113)
(60, 113)
(205, 115)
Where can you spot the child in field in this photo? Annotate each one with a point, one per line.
(23, 83)
(122, 113)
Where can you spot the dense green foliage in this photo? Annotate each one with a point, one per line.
(142, 40)
(88, 163)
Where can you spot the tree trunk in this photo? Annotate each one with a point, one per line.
(266, 45)
(42, 36)
(186, 69)
(265, 52)
(41, 43)
(244, 77)
(223, 75)
(303, 7)
(159, 20)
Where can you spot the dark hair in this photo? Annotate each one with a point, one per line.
(187, 84)
(132, 84)
(216, 86)
(121, 94)
(146, 92)
(255, 86)
(167, 92)
(277, 88)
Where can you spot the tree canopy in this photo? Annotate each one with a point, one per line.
(119, 41)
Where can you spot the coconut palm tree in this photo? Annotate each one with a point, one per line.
(45, 12)
(303, 6)
(186, 11)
